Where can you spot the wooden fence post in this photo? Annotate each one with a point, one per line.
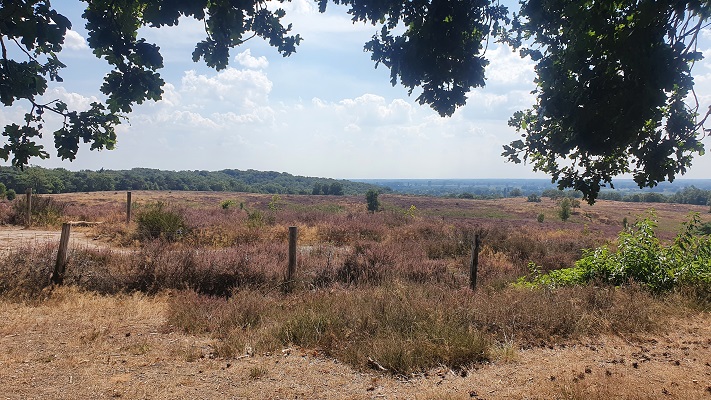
(128, 207)
(58, 275)
(28, 208)
(293, 234)
(474, 264)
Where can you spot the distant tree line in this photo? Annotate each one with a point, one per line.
(60, 180)
(688, 195)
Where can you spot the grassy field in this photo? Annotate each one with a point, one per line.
(197, 284)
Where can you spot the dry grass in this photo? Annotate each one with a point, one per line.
(406, 328)
(75, 344)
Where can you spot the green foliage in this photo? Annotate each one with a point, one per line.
(39, 31)
(705, 228)
(255, 219)
(541, 217)
(637, 56)
(639, 257)
(553, 193)
(11, 194)
(334, 188)
(411, 212)
(3, 190)
(60, 180)
(227, 204)
(450, 70)
(533, 198)
(275, 203)
(159, 221)
(564, 209)
(371, 197)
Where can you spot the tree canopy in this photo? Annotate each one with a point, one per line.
(613, 79)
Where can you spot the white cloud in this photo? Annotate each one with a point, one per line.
(171, 97)
(246, 60)
(228, 85)
(367, 110)
(74, 41)
(75, 101)
(507, 67)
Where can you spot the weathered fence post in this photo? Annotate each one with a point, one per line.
(293, 233)
(128, 207)
(474, 264)
(28, 208)
(58, 275)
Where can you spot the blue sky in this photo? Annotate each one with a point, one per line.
(324, 111)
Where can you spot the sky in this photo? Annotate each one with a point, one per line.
(325, 111)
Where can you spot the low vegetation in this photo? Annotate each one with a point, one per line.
(641, 258)
(384, 290)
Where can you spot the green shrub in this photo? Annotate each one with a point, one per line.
(705, 228)
(159, 221)
(564, 209)
(541, 217)
(10, 194)
(639, 257)
(227, 204)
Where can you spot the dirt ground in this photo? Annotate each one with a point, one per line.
(80, 346)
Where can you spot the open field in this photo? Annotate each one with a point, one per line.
(379, 307)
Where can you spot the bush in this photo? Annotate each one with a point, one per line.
(541, 217)
(10, 194)
(158, 221)
(639, 257)
(533, 198)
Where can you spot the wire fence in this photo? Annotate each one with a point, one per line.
(13, 239)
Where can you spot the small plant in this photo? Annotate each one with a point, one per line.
(227, 204)
(10, 194)
(274, 204)
(255, 219)
(257, 372)
(541, 217)
(158, 221)
(411, 212)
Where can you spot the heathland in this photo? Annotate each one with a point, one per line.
(189, 299)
